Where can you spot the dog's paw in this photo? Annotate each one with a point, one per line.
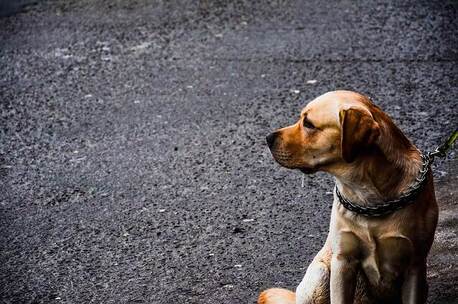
(277, 296)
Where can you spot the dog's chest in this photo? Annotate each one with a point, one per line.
(383, 256)
(384, 259)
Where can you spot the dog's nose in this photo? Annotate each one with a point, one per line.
(271, 139)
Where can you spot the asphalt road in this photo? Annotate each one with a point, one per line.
(132, 158)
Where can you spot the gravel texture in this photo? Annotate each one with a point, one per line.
(133, 166)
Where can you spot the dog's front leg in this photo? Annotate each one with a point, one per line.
(314, 287)
(344, 265)
(415, 287)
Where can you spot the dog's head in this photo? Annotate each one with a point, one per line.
(334, 129)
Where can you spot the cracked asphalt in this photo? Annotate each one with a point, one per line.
(132, 159)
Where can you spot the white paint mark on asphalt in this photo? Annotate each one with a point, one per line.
(248, 220)
(142, 46)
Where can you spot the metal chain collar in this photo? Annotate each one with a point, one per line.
(409, 196)
(405, 199)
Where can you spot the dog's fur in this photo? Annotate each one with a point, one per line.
(364, 259)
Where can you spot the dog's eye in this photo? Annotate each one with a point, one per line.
(308, 124)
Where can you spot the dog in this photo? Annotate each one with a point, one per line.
(365, 259)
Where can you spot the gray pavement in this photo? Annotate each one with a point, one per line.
(132, 159)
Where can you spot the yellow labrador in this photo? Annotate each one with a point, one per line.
(367, 258)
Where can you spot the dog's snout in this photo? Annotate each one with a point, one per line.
(271, 139)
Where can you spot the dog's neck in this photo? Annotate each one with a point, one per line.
(384, 173)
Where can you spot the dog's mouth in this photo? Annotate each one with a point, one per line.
(306, 170)
(286, 160)
(283, 158)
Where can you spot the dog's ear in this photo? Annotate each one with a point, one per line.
(359, 131)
